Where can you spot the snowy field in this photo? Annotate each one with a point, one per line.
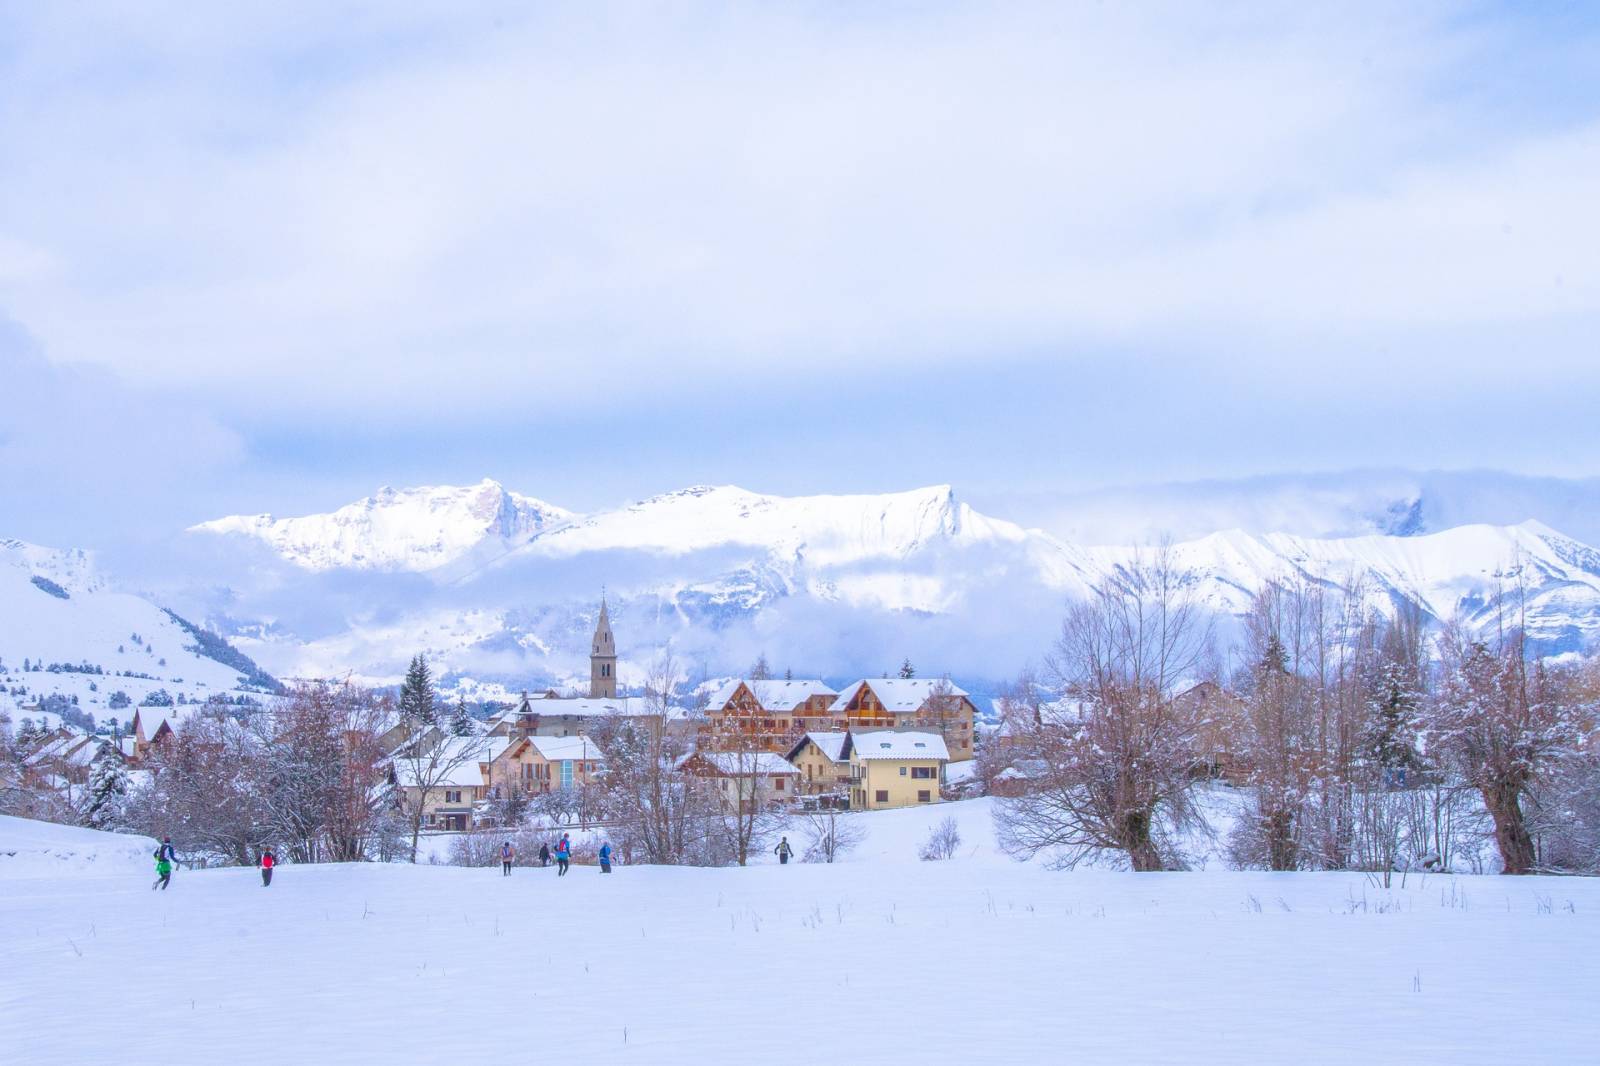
(974, 960)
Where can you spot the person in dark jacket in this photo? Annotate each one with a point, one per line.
(507, 853)
(163, 873)
(605, 857)
(563, 855)
(544, 854)
(268, 861)
(166, 859)
(783, 851)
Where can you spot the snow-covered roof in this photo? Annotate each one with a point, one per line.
(774, 695)
(466, 752)
(77, 750)
(582, 707)
(897, 744)
(556, 749)
(899, 695)
(737, 763)
(830, 744)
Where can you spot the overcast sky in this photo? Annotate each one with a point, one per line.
(270, 261)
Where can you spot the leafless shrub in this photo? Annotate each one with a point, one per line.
(943, 840)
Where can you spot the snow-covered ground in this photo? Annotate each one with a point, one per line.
(884, 958)
(30, 850)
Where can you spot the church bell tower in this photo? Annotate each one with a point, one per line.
(603, 659)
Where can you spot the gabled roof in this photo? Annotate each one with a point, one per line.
(830, 744)
(467, 752)
(582, 707)
(738, 764)
(896, 744)
(556, 749)
(773, 695)
(899, 695)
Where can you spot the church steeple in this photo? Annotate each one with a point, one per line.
(603, 658)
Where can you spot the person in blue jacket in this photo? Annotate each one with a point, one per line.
(605, 857)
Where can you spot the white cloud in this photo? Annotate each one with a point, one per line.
(308, 207)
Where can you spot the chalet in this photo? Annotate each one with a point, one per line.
(745, 777)
(151, 725)
(903, 702)
(768, 714)
(65, 758)
(894, 768)
(824, 768)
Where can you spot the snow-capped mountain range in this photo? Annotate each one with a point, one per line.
(500, 588)
(415, 529)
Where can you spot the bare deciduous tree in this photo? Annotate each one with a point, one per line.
(830, 833)
(1117, 757)
(943, 840)
(1500, 718)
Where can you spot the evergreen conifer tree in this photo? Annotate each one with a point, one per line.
(907, 670)
(417, 700)
(108, 790)
(461, 721)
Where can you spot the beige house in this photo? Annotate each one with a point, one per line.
(822, 764)
(933, 704)
(894, 768)
(535, 765)
(449, 780)
(745, 777)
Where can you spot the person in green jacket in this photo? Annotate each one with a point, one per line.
(163, 873)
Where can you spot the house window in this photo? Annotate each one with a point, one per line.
(924, 796)
(922, 773)
(881, 796)
(566, 773)
(902, 771)
(452, 796)
(777, 784)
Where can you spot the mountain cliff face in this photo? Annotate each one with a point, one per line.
(839, 583)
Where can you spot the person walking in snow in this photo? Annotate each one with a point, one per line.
(268, 861)
(507, 853)
(166, 859)
(544, 854)
(163, 866)
(563, 855)
(783, 851)
(605, 857)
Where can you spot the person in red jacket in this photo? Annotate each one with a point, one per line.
(268, 861)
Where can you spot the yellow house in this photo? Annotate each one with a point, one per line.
(824, 768)
(894, 768)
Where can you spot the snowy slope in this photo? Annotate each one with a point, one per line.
(975, 960)
(56, 608)
(408, 529)
(30, 849)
